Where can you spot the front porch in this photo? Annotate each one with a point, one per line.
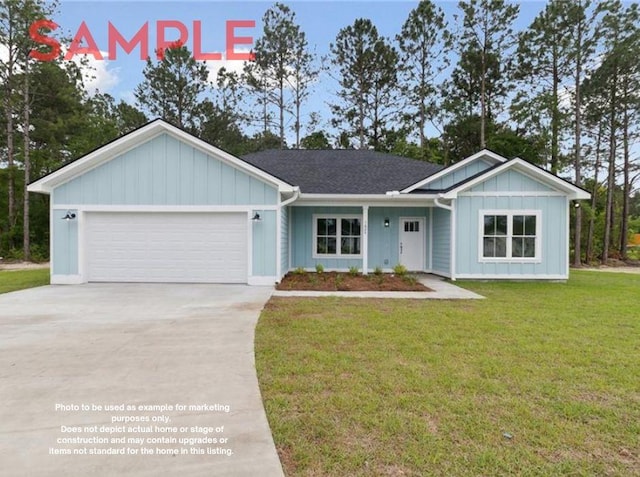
(368, 237)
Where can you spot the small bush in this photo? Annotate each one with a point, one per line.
(400, 270)
(299, 271)
(353, 271)
(409, 280)
(377, 271)
(319, 268)
(339, 280)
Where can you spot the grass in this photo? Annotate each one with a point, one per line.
(538, 379)
(11, 280)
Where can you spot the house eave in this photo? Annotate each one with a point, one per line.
(315, 199)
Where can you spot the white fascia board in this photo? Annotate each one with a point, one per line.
(535, 173)
(484, 154)
(418, 200)
(145, 133)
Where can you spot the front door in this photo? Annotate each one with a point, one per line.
(412, 242)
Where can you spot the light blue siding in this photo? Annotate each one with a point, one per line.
(456, 176)
(384, 241)
(284, 240)
(554, 228)
(65, 243)
(442, 241)
(166, 171)
(264, 244)
(510, 181)
(302, 238)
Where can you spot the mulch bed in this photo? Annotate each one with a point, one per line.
(337, 281)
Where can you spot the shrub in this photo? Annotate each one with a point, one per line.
(299, 271)
(409, 280)
(400, 270)
(319, 268)
(377, 271)
(339, 280)
(353, 271)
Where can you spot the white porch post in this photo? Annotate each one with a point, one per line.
(365, 239)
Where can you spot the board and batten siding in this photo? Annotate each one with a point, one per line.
(264, 244)
(458, 175)
(302, 239)
(384, 242)
(553, 262)
(441, 253)
(165, 171)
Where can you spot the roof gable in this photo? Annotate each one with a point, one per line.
(535, 175)
(134, 139)
(455, 173)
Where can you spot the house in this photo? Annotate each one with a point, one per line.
(160, 205)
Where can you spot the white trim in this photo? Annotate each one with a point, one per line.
(364, 239)
(146, 133)
(568, 240)
(262, 281)
(279, 242)
(530, 170)
(513, 194)
(82, 250)
(430, 238)
(336, 255)
(250, 214)
(51, 240)
(440, 273)
(510, 213)
(423, 221)
(66, 280)
(506, 276)
(452, 241)
(165, 208)
(290, 227)
(484, 154)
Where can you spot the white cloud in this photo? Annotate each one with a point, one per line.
(235, 66)
(96, 74)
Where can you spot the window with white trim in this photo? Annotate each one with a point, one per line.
(336, 235)
(509, 235)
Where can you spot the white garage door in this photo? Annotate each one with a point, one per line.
(166, 247)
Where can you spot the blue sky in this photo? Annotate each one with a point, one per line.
(320, 20)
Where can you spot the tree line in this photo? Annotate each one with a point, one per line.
(563, 93)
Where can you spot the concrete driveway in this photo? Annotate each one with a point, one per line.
(79, 365)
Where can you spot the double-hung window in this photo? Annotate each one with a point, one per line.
(509, 235)
(337, 236)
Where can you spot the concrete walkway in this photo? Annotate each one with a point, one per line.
(442, 290)
(132, 345)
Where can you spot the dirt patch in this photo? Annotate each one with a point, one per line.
(22, 265)
(336, 281)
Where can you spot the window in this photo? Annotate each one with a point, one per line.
(337, 235)
(412, 226)
(510, 235)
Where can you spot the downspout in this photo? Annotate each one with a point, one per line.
(293, 198)
(452, 240)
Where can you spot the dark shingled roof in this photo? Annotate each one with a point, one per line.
(342, 171)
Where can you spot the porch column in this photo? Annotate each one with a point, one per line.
(365, 239)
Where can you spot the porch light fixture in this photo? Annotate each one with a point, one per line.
(386, 222)
(256, 217)
(70, 216)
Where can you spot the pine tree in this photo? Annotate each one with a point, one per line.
(367, 75)
(173, 88)
(425, 43)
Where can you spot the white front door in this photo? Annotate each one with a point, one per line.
(412, 242)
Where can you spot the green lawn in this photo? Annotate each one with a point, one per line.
(11, 280)
(400, 387)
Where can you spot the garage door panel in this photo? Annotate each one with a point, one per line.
(167, 247)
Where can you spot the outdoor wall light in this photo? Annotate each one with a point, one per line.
(386, 222)
(577, 205)
(256, 217)
(69, 216)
